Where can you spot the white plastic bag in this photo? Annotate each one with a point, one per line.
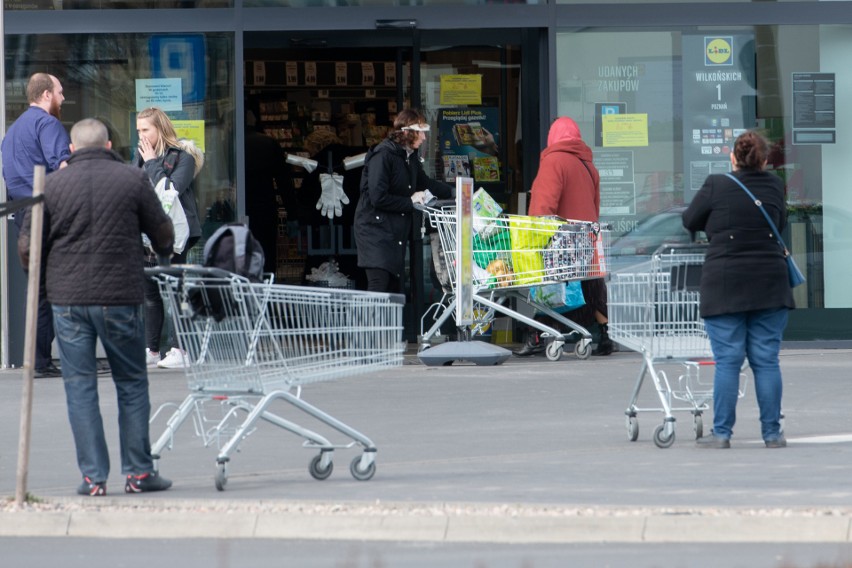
(170, 200)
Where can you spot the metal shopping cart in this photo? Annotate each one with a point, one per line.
(512, 256)
(251, 344)
(654, 309)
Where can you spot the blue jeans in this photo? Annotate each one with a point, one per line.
(756, 335)
(122, 334)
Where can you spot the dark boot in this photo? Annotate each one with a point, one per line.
(533, 345)
(605, 344)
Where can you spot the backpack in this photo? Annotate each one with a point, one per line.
(231, 247)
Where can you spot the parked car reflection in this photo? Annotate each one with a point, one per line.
(638, 244)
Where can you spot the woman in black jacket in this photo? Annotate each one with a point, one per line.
(745, 294)
(161, 154)
(393, 180)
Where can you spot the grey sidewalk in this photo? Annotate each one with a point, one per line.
(528, 451)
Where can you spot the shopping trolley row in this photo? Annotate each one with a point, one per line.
(249, 345)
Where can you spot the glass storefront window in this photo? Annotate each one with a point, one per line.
(326, 3)
(111, 5)
(111, 77)
(662, 108)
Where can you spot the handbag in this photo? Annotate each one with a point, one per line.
(794, 275)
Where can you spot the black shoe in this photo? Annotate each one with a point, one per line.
(605, 345)
(531, 348)
(103, 368)
(146, 483)
(713, 441)
(92, 488)
(604, 348)
(47, 372)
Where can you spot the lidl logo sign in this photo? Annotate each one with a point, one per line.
(718, 51)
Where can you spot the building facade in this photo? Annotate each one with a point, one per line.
(660, 91)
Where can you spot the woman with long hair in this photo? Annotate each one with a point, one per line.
(161, 154)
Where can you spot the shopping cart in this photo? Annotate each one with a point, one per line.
(512, 256)
(654, 309)
(251, 344)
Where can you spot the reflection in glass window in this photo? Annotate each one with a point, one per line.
(113, 5)
(661, 110)
(110, 77)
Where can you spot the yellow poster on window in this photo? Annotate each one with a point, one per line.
(191, 130)
(621, 130)
(461, 90)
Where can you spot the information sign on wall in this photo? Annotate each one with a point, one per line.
(718, 102)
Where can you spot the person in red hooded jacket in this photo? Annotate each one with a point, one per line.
(568, 185)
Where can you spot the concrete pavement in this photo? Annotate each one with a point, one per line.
(528, 451)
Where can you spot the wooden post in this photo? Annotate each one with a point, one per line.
(36, 224)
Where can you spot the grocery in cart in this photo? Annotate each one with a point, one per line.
(249, 345)
(654, 309)
(527, 258)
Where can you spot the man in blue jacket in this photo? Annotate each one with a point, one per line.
(37, 138)
(94, 212)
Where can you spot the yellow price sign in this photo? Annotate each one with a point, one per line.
(461, 89)
(625, 130)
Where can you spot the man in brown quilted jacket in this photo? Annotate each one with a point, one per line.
(94, 212)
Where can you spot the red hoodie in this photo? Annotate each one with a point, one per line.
(565, 186)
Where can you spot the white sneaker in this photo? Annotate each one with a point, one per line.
(151, 357)
(174, 359)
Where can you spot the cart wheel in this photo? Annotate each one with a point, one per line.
(553, 352)
(698, 426)
(632, 428)
(582, 350)
(316, 472)
(660, 439)
(361, 474)
(221, 477)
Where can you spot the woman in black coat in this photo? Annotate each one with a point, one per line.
(745, 294)
(392, 181)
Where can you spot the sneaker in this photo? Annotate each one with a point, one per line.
(151, 357)
(103, 368)
(146, 482)
(713, 441)
(779, 442)
(174, 359)
(92, 488)
(47, 372)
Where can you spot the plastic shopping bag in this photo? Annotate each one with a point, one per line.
(559, 297)
(529, 237)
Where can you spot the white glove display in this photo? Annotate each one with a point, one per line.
(333, 198)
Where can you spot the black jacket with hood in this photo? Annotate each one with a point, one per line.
(390, 177)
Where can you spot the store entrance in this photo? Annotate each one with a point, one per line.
(330, 98)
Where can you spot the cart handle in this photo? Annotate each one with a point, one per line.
(195, 269)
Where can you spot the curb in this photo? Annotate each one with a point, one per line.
(448, 523)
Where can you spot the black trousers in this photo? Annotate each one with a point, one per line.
(154, 310)
(380, 280)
